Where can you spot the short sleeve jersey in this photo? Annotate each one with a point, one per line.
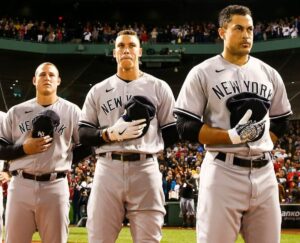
(105, 102)
(18, 125)
(209, 85)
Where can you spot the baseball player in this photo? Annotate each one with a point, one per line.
(127, 180)
(38, 194)
(4, 177)
(238, 189)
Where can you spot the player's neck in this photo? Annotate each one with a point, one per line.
(46, 100)
(235, 59)
(128, 75)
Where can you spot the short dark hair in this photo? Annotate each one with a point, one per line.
(225, 15)
(127, 32)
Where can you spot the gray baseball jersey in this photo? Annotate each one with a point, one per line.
(128, 188)
(209, 85)
(234, 197)
(42, 205)
(58, 157)
(104, 105)
(2, 115)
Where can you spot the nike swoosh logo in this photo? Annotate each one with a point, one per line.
(28, 112)
(220, 70)
(108, 90)
(120, 133)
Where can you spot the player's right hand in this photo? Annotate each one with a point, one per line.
(123, 130)
(246, 131)
(36, 145)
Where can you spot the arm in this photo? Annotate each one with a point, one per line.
(80, 152)
(244, 131)
(11, 152)
(30, 146)
(212, 135)
(90, 136)
(195, 131)
(169, 135)
(121, 130)
(278, 127)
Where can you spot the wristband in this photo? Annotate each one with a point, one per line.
(105, 136)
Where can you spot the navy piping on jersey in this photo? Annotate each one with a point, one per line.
(84, 123)
(185, 112)
(4, 140)
(168, 125)
(282, 115)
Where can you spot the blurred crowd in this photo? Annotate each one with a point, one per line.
(104, 32)
(181, 164)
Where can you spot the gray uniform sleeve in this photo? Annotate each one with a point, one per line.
(280, 105)
(2, 115)
(166, 106)
(76, 116)
(8, 151)
(89, 111)
(6, 128)
(191, 100)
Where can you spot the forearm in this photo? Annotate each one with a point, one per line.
(194, 130)
(90, 136)
(170, 135)
(273, 137)
(80, 152)
(11, 152)
(212, 135)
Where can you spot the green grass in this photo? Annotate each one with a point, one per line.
(79, 235)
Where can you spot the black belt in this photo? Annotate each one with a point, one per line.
(127, 156)
(255, 163)
(43, 177)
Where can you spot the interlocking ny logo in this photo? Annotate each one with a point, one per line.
(41, 134)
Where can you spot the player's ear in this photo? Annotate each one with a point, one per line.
(34, 81)
(221, 33)
(140, 52)
(114, 53)
(58, 81)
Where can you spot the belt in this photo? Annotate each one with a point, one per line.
(255, 163)
(44, 177)
(127, 156)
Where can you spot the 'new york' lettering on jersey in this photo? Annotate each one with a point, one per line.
(213, 81)
(18, 125)
(102, 109)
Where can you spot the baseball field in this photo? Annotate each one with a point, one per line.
(170, 235)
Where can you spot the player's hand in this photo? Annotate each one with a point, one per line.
(246, 131)
(123, 130)
(4, 177)
(36, 145)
